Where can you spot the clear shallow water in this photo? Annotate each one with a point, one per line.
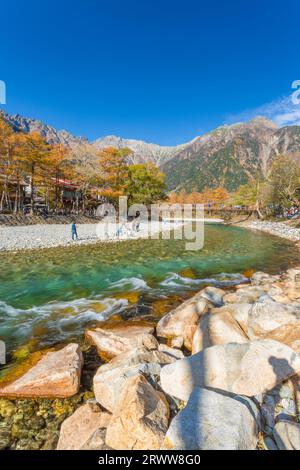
(51, 296)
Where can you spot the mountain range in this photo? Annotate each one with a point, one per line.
(227, 156)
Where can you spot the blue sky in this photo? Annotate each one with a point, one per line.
(161, 70)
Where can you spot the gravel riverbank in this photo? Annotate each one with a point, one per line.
(30, 237)
(40, 236)
(280, 229)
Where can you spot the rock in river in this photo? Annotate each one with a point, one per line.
(82, 430)
(217, 327)
(214, 421)
(267, 315)
(181, 323)
(56, 374)
(140, 419)
(117, 340)
(244, 369)
(110, 378)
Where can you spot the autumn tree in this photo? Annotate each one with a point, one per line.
(172, 197)
(6, 156)
(18, 169)
(84, 170)
(113, 176)
(35, 155)
(284, 178)
(146, 184)
(181, 197)
(59, 167)
(193, 198)
(246, 195)
(220, 196)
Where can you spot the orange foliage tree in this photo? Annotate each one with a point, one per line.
(215, 197)
(113, 177)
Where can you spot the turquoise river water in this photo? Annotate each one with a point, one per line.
(50, 296)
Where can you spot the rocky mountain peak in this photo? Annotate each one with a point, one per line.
(227, 156)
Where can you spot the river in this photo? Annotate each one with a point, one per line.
(50, 296)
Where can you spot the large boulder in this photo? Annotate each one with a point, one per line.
(244, 369)
(114, 341)
(288, 334)
(140, 419)
(292, 274)
(287, 435)
(267, 315)
(249, 294)
(56, 374)
(214, 421)
(110, 378)
(85, 429)
(180, 324)
(173, 352)
(240, 313)
(291, 290)
(260, 278)
(295, 382)
(214, 295)
(276, 403)
(217, 327)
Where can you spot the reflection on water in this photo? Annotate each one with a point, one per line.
(51, 296)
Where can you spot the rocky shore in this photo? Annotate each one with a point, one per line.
(30, 237)
(221, 371)
(280, 229)
(39, 236)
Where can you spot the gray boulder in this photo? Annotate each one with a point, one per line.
(243, 369)
(214, 421)
(111, 377)
(287, 435)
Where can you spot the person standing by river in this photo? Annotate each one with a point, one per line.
(74, 231)
(136, 222)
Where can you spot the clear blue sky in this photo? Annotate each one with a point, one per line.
(159, 70)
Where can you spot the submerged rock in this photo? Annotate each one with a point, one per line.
(5, 437)
(7, 408)
(244, 369)
(56, 374)
(214, 421)
(118, 340)
(84, 429)
(140, 419)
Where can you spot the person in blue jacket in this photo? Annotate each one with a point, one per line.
(74, 231)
